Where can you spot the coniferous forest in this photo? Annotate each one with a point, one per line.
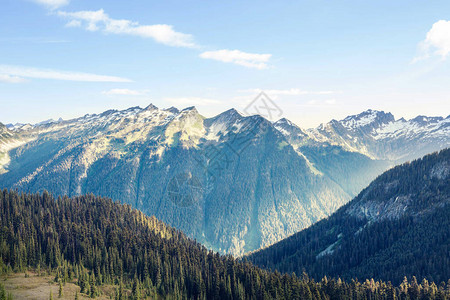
(399, 225)
(94, 241)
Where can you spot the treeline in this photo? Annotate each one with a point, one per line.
(407, 231)
(94, 241)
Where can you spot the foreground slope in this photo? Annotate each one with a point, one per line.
(399, 225)
(95, 243)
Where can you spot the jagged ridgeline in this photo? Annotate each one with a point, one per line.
(94, 241)
(399, 225)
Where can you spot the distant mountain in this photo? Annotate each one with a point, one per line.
(399, 225)
(378, 135)
(28, 126)
(235, 183)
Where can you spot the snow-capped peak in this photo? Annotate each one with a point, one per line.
(283, 121)
(151, 107)
(370, 117)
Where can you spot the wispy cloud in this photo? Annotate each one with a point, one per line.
(11, 79)
(28, 72)
(100, 21)
(290, 92)
(192, 101)
(437, 41)
(250, 60)
(123, 92)
(52, 4)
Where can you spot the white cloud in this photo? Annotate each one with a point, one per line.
(192, 101)
(28, 72)
(161, 33)
(291, 92)
(437, 41)
(250, 60)
(100, 21)
(11, 79)
(123, 92)
(52, 4)
(73, 23)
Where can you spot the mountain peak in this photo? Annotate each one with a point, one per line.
(285, 124)
(423, 120)
(190, 108)
(172, 109)
(282, 121)
(224, 120)
(49, 121)
(232, 111)
(107, 113)
(151, 107)
(288, 128)
(230, 114)
(368, 118)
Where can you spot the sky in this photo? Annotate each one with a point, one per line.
(317, 60)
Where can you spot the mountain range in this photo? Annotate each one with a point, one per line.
(398, 225)
(236, 183)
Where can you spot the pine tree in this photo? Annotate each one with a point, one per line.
(414, 289)
(2, 292)
(60, 293)
(136, 293)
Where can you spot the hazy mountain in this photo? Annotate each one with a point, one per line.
(399, 225)
(378, 135)
(235, 183)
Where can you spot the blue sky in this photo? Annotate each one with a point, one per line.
(317, 59)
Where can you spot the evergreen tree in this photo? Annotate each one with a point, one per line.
(60, 293)
(136, 293)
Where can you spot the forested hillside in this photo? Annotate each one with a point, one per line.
(399, 225)
(94, 241)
